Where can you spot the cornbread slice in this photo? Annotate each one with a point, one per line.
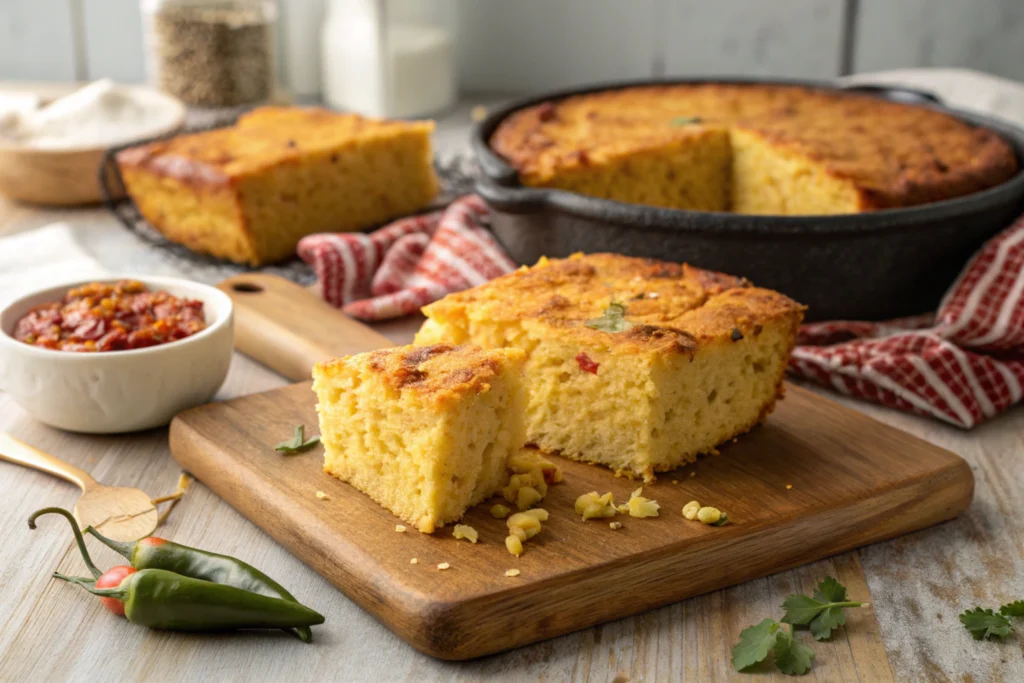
(794, 150)
(699, 359)
(249, 192)
(424, 431)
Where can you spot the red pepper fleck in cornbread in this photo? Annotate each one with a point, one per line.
(636, 364)
(249, 192)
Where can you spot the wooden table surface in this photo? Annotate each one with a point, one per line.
(917, 584)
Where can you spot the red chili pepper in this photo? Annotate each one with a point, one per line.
(112, 578)
(586, 363)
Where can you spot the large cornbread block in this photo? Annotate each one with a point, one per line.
(794, 150)
(697, 359)
(424, 431)
(249, 192)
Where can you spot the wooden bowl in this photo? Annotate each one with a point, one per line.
(65, 176)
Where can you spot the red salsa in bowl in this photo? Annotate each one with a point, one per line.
(111, 317)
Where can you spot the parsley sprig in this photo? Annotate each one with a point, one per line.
(984, 624)
(822, 613)
(298, 443)
(612, 320)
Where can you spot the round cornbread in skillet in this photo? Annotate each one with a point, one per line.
(636, 364)
(424, 430)
(756, 149)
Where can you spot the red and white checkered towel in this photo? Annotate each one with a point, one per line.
(962, 365)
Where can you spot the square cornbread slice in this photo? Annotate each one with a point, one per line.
(423, 430)
(249, 192)
(635, 364)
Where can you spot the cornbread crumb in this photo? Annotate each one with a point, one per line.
(691, 509)
(693, 474)
(529, 459)
(511, 572)
(591, 505)
(709, 515)
(464, 531)
(642, 507)
(789, 486)
(675, 481)
(478, 113)
(528, 523)
(321, 495)
(499, 511)
(540, 513)
(414, 560)
(614, 526)
(400, 528)
(443, 565)
(527, 497)
(514, 545)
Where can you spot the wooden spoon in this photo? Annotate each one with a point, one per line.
(122, 513)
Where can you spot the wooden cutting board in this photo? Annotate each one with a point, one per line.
(853, 481)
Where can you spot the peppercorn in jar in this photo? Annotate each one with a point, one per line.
(211, 53)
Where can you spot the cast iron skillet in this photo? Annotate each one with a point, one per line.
(868, 266)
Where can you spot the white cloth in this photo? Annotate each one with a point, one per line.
(50, 255)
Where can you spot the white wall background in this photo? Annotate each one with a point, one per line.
(523, 45)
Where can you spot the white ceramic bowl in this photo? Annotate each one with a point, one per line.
(118, 391)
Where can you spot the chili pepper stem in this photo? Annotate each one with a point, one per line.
(96, 573)
(125, 549)
(90, 585)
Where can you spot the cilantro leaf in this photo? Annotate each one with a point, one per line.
(298, 443)
(822, 613)
(984, 623)
(1013, 609)
(755, 644)
(791, 656)
(612, 320)
(722, 521)
(684, 120)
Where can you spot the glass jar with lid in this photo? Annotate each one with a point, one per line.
(211, 53)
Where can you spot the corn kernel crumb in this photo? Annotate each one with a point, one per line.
(443, 565)
(691, 509)
(511, 572)
(414, 560)
(641, 507)
(693, 474)
(514, 545)
(614, 526)
(464, 531)
(789, 486)
(709, 515)
(675, 481)
(500, 511)
(321, 495)
(400, 528)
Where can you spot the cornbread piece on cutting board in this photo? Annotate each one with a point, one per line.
(424, 431)
(789, 149)
(249, 192)
(697, 359)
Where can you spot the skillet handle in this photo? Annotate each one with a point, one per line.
(896, 93)
(513, 199)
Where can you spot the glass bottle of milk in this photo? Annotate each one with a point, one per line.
(387, 58)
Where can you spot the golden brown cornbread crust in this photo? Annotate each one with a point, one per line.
(674, 308)
(894, 154)
(440, 372)
(249, 192)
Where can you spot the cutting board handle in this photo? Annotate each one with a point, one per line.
(289, 329)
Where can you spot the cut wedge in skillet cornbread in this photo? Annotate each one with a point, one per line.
(249, 192)
(697, 358)
(424, 431)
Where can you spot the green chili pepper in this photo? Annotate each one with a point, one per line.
(157, 553)
(158, 598)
